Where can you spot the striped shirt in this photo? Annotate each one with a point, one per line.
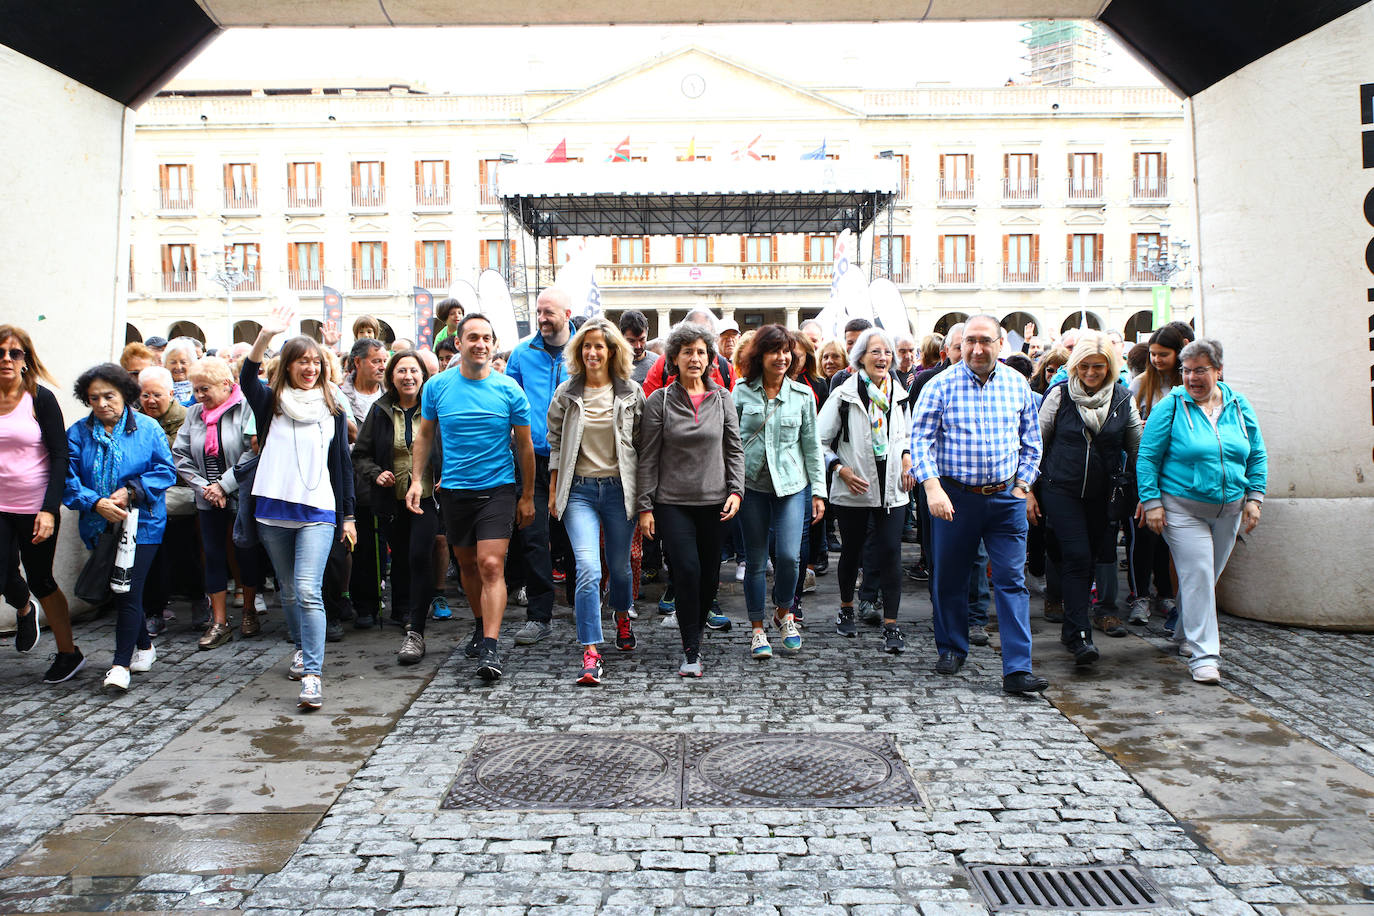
(976, 432)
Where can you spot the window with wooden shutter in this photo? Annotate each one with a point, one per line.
(488, 186)
(1083, 262)
(369, 265)
(630, 258)
(303, 185)
(1020, 181)
(1146, 248)
(1085, 176)
(758, 254)
(431, 182)
(432, 261)
(956, 176)
(1149, 179)
(175, 184)
(178, 268)
(240, 186)
(956, 259)
(1020, 258)
(369, 183)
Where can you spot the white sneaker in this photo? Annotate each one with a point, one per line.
(143, 659)
(297, 669)
(117, 680)
(809, 582)
(669, 621)
(632, 613)
(312, 693)
(739, 572)
(1207, 674)
(260, 603)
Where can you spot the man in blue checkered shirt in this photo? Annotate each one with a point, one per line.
(975, 447)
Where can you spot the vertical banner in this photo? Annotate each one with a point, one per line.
(333, 307)
(1163, 305)
(424, 318)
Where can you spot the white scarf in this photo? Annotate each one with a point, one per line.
(304, 405)
(1094, 406)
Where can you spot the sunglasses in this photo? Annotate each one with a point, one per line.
(13, 353)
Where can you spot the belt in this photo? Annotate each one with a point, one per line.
(986, 489)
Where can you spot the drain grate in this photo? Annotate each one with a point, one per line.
(1098, 887)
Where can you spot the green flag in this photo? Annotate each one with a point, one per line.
(1163, 305)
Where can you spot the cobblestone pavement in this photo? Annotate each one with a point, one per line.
(1008, 780)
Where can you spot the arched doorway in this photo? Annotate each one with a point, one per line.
(185, 329)
(388, 335)
(131, 334)
(1017, 322)
(1139, 326)
(949, 320)
(246, 331)
(1075, 320)
(313, 328)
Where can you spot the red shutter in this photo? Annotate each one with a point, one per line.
(970, 169)
(291, 260)
(1135, 165)
(971, 258)
(419, 259)
(166, 259)
(354, 173)
(445, 178)
(1035, 249)
(743, 248)
(1163, 170)
(615, 250)
(1006, 248)
(1035, 165)
(774, 253)
(940, 248)
(482, 172)
(942, 166)
(510, 254)
(228, 176)
(290, 177)
(679, 249)
(357, 254)
(482, 253)
(1068, 250)
(448, 258)
(1135, 246)
(906, 250)
(419, 183)
(710, 248)
(384, 260)
(1006, 165)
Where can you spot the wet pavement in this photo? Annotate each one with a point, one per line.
(205, 789)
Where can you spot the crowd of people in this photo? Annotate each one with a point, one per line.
(591, 458)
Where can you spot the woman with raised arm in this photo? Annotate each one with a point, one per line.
(303, 488)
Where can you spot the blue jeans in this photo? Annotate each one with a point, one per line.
(596, 506)
(978, 594)
(298, 556)
(760, 515)
(1000, 521)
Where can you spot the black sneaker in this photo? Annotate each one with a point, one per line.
(869, 613)
(65, 664)
(155, 625)
(333, 631)
(489, 669)
(893, 640)
(474, 647)
(26, 634)
(624, 634)
(844, 623)
(917, 571)
(1082, 648)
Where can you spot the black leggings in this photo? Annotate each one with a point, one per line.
(216, 532)
(1149, 560)
(411, 538)
(883, 544)
(16, 543)
(691, 538)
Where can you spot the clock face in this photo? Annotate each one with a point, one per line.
(693, 85)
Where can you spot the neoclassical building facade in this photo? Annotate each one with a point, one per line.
(1044, 205)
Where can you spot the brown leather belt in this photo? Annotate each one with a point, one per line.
(986, 489)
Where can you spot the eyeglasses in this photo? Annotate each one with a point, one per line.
(1200, 370)
(878, 352)
(980, 341)
(13, 353)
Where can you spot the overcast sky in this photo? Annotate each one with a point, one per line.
(505, 59)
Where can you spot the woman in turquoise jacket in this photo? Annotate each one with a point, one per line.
(783, 468)
(118, 460)
(1202, 472)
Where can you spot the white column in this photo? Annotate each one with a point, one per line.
(793, 317)
(665, 321)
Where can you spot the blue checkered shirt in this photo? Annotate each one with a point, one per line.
(977, 433)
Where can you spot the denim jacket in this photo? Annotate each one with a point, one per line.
(782, 434)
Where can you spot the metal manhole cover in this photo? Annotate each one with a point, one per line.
(570, 772)
(796, 771)
(1098, 887)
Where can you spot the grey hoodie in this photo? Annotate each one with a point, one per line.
(689, 457)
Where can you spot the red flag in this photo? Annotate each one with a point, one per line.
(560, 152)
(621, 153)
(747, 151)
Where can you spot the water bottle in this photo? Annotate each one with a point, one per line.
(122, 575)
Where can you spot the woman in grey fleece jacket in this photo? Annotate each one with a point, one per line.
(690, 478)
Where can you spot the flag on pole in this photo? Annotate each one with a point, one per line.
(1163, 305)
(560, 152)
(747, 151)
(424, 318)
(817, 153)
(333, 307)
(621, 153)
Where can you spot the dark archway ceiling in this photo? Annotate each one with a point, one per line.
(128, 50)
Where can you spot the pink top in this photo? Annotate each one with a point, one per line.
(23, 460)
(696, 403)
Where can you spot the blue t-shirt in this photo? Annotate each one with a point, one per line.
(475, 419)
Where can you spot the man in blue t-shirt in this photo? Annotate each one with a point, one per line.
(480, 414)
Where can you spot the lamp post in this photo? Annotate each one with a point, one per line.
(1162, 262)
(222, 269)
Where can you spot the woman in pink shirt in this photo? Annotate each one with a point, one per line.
(33, 467)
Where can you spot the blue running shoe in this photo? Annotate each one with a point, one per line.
(716, 619)
(668, 603)
(439, 609)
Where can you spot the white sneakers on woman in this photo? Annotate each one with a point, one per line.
(143, 659)
(117, 680)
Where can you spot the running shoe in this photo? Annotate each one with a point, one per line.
(844, 623)
(716, 619)
(691, 666)
(26, 632)
(439, 609)
(473, 649)
(668, 603)
(791, 636)
(893, 640)
(489, 669)
(624, 634)
(64, 666)
(312, 692)
(759, 647)
(591, 667)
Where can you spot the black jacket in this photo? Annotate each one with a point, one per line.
(372, 454)
(54, 432)
(1081, 465)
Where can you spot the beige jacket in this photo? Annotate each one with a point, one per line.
(565, 435)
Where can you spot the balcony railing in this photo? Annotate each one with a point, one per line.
(488, 194)
(180, 281)
(175, 199)
(1084, 272)
(1085, 187)
(435, 278)
(431, 195)
(1150, 187)
(304, 198)
(252, 283)
(240, 199)
(365, 278)
(369, 195)
(305, 279)
(1022, 273)
(956, 189)
(1137, 273)
(900, 273)
(817, 270)
(1021, 190)
(713, 274)
(957, 273)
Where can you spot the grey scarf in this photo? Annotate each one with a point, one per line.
(1094, 406)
